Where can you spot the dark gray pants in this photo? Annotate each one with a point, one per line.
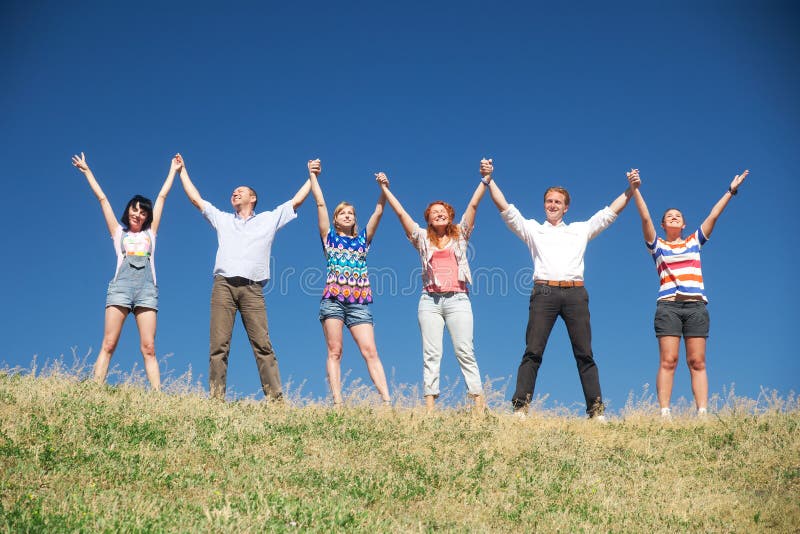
(546, 305)
(228, 296)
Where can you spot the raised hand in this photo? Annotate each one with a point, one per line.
(80, 163)
(633, 178)
(382, 179)
(487, 168)
(314, 167)
(176, 164)
(737, 181)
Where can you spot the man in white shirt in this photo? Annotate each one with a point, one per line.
(557, 250)
(241, 270)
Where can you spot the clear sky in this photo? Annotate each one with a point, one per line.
(568, 93)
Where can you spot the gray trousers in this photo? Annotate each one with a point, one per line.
(228, 296)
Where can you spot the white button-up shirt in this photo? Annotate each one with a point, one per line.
(557, 251)
(245, 244)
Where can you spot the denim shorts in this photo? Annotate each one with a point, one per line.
(351, 314)
(133, 286)
(687, 318)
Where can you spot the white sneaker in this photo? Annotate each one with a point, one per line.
(600, 419)
(666, 414)
(702, 413)
(520, 413)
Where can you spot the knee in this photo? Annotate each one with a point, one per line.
(697, 363)
(669, 364)
(335, 353)
(148, 349)
(110, 345)
(370, 354)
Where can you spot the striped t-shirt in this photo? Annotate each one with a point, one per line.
(678, 266)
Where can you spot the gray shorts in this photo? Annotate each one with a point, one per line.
(681, 318)
(351, 314)
(133, 286)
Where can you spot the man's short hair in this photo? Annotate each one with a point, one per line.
(558, 189)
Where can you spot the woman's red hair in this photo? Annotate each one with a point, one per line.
(452, 228)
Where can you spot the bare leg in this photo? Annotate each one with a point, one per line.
(696, 359)
(115, 318)
(333, 339)
(146, 321)
(364, 336)
(668, 348)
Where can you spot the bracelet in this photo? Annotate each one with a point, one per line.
(484, 181)
(733, 192)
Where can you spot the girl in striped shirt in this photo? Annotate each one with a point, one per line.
(681, 304)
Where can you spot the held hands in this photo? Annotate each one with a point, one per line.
(314, 167)
(633, 179)
(737, 181)
(487, 168)
(80, 163)
(382, 179)
(177, 164)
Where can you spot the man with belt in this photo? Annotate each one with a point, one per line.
(241, 270)
(557, 249)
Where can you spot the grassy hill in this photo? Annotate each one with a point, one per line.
(75, 456)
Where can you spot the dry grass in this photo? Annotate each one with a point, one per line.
(80, 457)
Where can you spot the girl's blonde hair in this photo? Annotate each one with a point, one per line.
(339, 207)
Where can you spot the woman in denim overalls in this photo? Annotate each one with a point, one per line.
(134, 285)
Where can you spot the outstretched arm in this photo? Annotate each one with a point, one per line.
(708, 225)
(314, 170)
(158, 208)
(405, 219)
(621, 201)
(375, 218)
(188, 186)
(487, 168)
(108, 213)
(301, 194)
(648, 230)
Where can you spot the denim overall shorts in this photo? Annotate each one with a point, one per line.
(133, 286)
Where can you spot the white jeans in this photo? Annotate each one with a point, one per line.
(454, 310)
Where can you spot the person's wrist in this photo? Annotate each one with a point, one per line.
(485, 180)
(733, 191)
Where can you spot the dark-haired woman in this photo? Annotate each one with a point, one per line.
(681, 304)
(133, 287)
(442, 248)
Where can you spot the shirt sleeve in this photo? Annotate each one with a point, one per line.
(701, 237)
(418, 237)
(600, 221)
(211, 213)
(515, 222)
(284, 214)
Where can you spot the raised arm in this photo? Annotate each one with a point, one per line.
(158, 208)
(188, 186)
(405, 219)
(105, 205)
(487, 168)
(648, 230)
(708, 225)
(314, 170)
(375, 218)
(302, 193)
(621, 201)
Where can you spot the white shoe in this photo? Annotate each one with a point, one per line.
(520, 413)
(666, 414)
(600, 419)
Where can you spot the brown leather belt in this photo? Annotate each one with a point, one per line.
(559, 283)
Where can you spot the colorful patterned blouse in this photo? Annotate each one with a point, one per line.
(347, 268)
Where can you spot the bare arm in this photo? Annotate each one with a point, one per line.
(487, 168)
(648, 230)
(301, 195)
(708, 225)
(108, 213)
(405, 219)
(621, 201)
(314, 170)
(188, 186)
(158, 208)
(375, 218)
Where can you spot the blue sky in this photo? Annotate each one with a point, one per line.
(574, 94)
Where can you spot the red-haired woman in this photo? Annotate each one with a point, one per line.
(133, 288)
(442, 248)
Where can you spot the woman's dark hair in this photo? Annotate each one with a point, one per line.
(144, 204)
